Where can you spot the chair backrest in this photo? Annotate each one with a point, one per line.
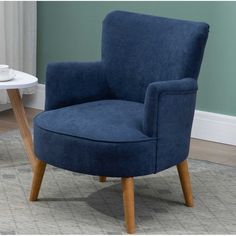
(139, 49)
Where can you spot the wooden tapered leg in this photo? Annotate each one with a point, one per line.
(37, 179)
(128, 199)
(19, 112)
(185, 182)
(102, 178)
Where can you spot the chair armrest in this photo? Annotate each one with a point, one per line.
(168, 114)
(69, 83)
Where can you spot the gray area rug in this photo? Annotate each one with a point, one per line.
(72, 203)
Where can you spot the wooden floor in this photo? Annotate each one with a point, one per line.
(199, 149)
(8, 122)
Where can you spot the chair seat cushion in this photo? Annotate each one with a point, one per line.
(99, 138)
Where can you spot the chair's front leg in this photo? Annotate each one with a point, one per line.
(182, 168)
(128, 198)
(37, 179)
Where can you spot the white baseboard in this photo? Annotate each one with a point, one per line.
(206, 125)
(4, 107)
(37, 99)
(214, 127)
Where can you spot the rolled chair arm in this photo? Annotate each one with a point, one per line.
(69, 83)
(168, 114)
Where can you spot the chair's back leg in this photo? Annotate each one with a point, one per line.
(128, 198)
(37, 179)
(102, 178)
(185, 182)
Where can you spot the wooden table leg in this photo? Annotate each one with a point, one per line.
(21, 119)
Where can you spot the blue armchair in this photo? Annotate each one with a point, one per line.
(129, 114)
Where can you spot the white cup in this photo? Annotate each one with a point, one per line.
(4, 72)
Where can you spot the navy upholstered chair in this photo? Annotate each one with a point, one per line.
(129, 114)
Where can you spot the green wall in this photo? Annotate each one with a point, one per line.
(72, 31)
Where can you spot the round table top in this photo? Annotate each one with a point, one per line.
(20, 80)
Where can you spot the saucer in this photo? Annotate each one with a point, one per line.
(8, 79)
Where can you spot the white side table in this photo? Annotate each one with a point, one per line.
(21, 80)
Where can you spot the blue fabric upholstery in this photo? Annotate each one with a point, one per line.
(168, 115)
(104, 120)
(139, 49)
(130, 114)
(73, 82)
(98, 138)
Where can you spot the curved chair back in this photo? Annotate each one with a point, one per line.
(139, 49)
